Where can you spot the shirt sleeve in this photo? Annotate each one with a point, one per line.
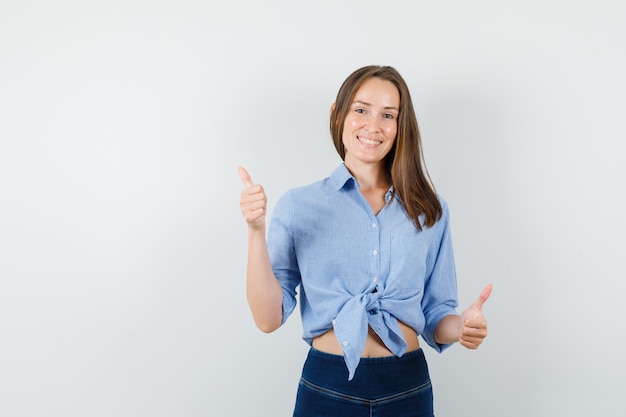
(440, 290)
(281, 247)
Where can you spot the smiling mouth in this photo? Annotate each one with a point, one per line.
(369, 142)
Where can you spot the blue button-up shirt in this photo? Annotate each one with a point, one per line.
(356, 269)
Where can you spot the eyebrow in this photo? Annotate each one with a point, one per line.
(369, 104)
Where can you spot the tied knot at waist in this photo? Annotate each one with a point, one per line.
(351, 328)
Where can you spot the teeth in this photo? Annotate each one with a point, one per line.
(369, 141)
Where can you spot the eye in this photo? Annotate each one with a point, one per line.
(388, 116)
(361, 111)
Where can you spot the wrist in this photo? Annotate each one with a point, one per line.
(448, 330)
(256, 229)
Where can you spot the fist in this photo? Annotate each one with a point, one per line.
(473, 323)
(253, 201)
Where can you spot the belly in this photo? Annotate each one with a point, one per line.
(374, 347)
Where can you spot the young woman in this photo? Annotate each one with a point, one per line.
(369, 248)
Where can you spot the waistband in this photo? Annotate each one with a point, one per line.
(374, 378)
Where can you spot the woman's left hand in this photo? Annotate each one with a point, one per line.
(473, 323)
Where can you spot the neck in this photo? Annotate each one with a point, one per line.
(369, 175)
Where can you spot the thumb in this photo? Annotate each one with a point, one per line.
(245, 177)
(484, 296)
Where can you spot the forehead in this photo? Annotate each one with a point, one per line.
(378, 91)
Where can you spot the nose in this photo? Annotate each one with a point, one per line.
(373, 123)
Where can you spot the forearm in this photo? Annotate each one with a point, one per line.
(264, 293)
(448, 330)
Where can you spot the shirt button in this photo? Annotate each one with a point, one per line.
(334, 322)
(345, 343)
(374, 279)
(374, 225)
(374, 252)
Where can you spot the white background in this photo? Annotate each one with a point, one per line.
(122, 247)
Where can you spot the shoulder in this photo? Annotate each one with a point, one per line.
(445, 211)
(318, 189)
(304, 191)
(300, 198)
(444, 218)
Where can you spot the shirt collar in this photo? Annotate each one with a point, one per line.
(341, 176)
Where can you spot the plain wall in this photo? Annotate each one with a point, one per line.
(122, 246)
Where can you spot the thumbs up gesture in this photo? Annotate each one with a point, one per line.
(473, 323)
(253, 201)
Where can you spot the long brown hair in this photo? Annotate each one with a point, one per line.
(404, 164)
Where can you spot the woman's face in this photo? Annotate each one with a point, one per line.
(371, 124)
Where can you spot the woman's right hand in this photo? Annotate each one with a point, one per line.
(253, 201)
